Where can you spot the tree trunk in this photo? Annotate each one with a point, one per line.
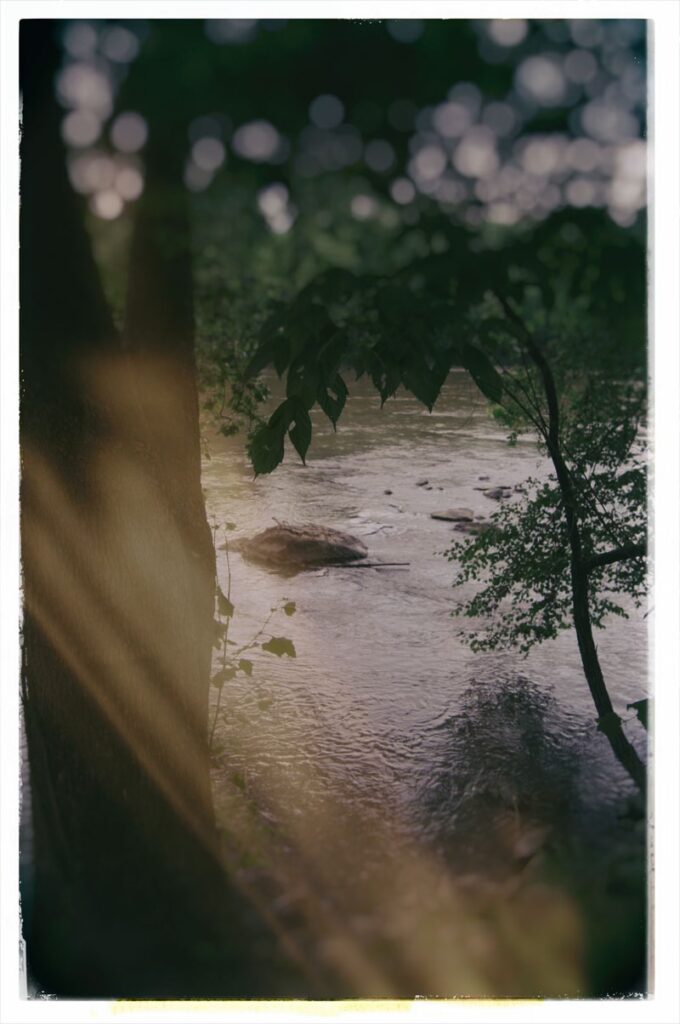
(608, 721)
(130, 897)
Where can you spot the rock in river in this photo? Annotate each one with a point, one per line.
(304, 546)
(454, 515)
(465, 526)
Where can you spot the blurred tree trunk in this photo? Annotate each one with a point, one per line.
(130, 896)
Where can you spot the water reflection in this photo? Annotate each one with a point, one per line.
(506, 775)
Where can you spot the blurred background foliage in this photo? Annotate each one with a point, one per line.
(307, 145)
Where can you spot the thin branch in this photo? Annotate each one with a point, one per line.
(250, 643)
(621, 554)
(543, 368)
(538, 424)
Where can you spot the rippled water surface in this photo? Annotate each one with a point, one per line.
(385, 711)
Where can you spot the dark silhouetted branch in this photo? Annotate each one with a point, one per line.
(616, 555)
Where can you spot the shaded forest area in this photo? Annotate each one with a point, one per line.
(205, 204)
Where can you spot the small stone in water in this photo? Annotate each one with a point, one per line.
(483, 477)
(387, 492)
(465, 526)
(422, 483)
(454, 515)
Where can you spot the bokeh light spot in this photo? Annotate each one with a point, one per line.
(507, 31)
(81, 128)
(631, 160)
(196, 178)
(231, 30)
(586, 31)
(467, 94)
(91, 172)
(129, 183)
(208, 153)
(402, 191)
(581, 192)
(258, 141)
(80, 85)
(129, 132)
(580, 66)
(584, 154)
(503, 213)
(476, 155)
(500, 117)
(541, 80)
(608, 122)
(326, 111)
(451, 119)
(363, 207)
(80, 39)
(428, 163)
(543, 155)
(119, 44)
(108, 205)
(273, 199)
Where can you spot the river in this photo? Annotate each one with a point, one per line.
(385, 716)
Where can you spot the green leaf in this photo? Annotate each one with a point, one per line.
(272, 346)
(641, 708)
(423, 381)
(224, 605)
(281, 354)
(289, 608)
(265, 448)
(385, 374)
(482, 371)
(301, 433)
(280, 645)
(302, 383)
(246, 666)
(262, 358)
(223, 676)
(269, 440)
(332, 397)
(609, 724)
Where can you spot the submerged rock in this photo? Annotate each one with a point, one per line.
(304, 546)
(466, 526)
(497, 493)
(454, 515)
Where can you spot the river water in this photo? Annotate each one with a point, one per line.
(385, 715)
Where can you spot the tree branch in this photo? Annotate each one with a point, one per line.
(616, 555)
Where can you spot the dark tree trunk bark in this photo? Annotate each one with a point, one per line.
(608, 721)
(130, 895)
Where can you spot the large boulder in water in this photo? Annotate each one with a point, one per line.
(288, 546)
